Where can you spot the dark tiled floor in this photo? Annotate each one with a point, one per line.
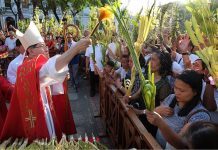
(84, 109)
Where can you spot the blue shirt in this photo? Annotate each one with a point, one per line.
(176, 123)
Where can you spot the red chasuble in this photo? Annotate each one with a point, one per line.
(26, 117)
(6, 90)
(64, 114)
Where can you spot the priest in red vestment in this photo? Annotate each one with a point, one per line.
(31, 113)
(6, 90)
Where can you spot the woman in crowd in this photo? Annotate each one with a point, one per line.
(201, 135)
(161, 67)
(59, 45)
(179, 110)
(209, 94)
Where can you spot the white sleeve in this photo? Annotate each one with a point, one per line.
(177, 68)
(203, 89)
(11, 74)
(48, 74)
(87, 54)
(6, 42)
(178, 57)
(118, 71)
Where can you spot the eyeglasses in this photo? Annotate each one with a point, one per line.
(39, 46)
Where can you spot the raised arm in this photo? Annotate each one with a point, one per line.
(66, 57)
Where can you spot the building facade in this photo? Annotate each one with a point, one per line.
(9, 16)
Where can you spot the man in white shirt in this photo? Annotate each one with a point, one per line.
(14, 64)
(122, 71)
(74, 63)
(91, 68)
(31, 109)
(10, 41)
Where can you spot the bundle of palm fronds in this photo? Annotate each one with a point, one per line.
(105, 38)
(102, 37)
(148, 92)
(202, 29)
(163, 13)
(175, 25)
(205, 17)
(53, 144)
(51, 26)
(23, 25)
(36, 19)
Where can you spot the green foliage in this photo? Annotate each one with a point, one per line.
(163, 12)
(147, 92)
(36, 19)
(135, 25)
(53, 144)
(23, 25)
(93, 18)
(205, 17)
(175, 22)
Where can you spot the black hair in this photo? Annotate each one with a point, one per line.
(2, 42)
(32, 46)
(194, 80)
(18, 43)
(202, 135)
(165, 61)
(110, 63)
(142, 61)
(204, 66)
(125, 56)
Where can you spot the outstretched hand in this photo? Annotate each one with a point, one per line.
(154, 118)
(184, 44)
(164, 111)
(83, 44)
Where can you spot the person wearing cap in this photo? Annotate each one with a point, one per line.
(57, 91)
(14, 64)
(31, 114)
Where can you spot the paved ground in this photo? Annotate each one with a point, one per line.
(84, 109)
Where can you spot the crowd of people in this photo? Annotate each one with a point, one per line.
(185, 91)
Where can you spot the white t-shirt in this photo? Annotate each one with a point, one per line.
(203, 89)
(12, 68)
(179, 59)
(113, 48)
(71, 44)
(122, 72)
(10, 43)
(98, 57)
